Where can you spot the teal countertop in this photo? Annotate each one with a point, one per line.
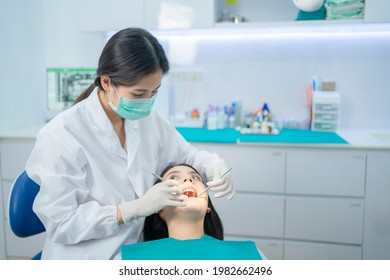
(228, 135)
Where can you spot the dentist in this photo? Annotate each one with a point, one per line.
(90, 159)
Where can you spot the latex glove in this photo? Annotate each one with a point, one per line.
(222, 186)
(166, 193)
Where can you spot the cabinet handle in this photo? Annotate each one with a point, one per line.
(356, 204)
(358, 157)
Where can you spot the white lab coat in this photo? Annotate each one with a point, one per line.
(84, 173)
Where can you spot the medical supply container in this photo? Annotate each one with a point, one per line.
(325, 111)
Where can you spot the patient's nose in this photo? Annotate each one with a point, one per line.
(188, 179)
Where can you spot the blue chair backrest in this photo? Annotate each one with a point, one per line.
(23, 221)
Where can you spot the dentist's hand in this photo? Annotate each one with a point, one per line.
(222, 186)
(166, 193)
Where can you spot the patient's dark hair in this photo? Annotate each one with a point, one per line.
(156, 228)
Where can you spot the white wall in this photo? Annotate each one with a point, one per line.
(276, 68)
(22, 64)
(36, 34)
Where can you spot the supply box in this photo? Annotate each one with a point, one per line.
(325, 111)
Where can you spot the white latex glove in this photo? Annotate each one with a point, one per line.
(166, 193)
(222, 186)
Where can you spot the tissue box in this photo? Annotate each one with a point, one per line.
(325, 111)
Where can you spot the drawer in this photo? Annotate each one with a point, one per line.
(324, 107)
(254, 169)
(13, 156)
(324, 126)
(325, 219)
(320, 251)
(252, 215)
(324, 117)
(326, 172)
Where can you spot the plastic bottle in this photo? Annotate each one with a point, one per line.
(212, 120)
(232, 116)
(221, 119)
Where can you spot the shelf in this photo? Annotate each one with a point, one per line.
(232, 25)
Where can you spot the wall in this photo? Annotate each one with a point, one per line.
(275, 68)
(259, 68)
(36, 34)
(21, 56)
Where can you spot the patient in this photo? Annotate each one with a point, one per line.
(193, 232)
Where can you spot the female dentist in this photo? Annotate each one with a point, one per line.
(90, 160)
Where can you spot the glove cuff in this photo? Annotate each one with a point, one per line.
(128, 210)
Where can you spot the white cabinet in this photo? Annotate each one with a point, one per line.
(13, 157)
(324, 219)
(254, 169)
(376, 243)
(103, 16)
(100, 15)
(317, 251)
(326, 172)
(179, 14)
(297, 202)
(252, 215)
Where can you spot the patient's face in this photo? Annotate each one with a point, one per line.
(190, 184)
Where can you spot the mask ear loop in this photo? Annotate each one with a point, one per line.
(113, 107)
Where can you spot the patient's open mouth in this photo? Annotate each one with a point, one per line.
(189, 192)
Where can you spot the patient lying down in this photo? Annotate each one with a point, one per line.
(193, 232)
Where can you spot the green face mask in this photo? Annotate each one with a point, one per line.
(132, 109)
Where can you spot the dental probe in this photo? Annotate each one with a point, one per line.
(206, 189)
(155, 175)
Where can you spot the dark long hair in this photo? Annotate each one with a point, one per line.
(129, 55)
(156, 228)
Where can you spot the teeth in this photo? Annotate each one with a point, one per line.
(189, 192)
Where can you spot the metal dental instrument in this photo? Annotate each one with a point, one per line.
(154, 174)
(206, 189)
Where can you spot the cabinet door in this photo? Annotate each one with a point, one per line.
(100, 15)
(319, 251)
(13, 156)
(255, 169)
(325, 219)
(179, 14)
(252, 215)
(16, 246)
(377, 207)
(326, 172)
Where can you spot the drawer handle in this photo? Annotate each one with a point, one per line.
(356, 204)
(358, 157)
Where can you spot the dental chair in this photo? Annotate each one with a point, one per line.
(23, 221)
